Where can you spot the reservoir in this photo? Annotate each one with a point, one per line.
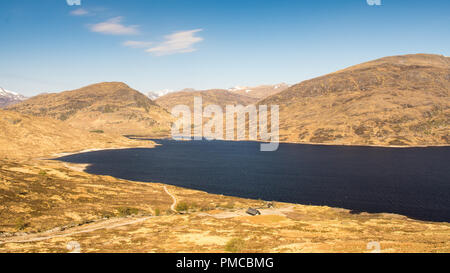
(414, 182)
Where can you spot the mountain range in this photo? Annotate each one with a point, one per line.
(256, 92)
(393, 101)
(219, 97)
(110, 107)
(260, 91)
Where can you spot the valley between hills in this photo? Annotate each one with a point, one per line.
(400, 101)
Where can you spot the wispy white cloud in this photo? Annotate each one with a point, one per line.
(114, 27)
(178, 42)
(137, 44)
(79, 12)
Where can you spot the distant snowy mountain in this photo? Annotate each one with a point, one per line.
(9, 97)
(153, 95)
(259, 92)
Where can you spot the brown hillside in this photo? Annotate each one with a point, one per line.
(260, 92)
(111, 107)
(24, 136)
(215, 96)
(400, 100)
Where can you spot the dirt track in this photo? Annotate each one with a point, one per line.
(172, 207)
(102, 224)
(55, 233)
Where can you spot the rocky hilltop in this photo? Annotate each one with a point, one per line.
(110, 107)
(396, 101)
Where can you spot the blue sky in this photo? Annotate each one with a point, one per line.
(49, 46)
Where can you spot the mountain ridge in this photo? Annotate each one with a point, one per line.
(260, 91)
(397, 100)
(219, 97)
(109, 106)
(257, 92)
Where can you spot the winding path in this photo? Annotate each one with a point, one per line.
(107, 224)
(174, 204)
(103, 224)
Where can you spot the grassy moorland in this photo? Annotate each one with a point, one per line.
(46, 204)
(393, 101)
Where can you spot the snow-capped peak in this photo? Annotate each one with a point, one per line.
(6, 92)
(156, 94)
(9, 97)
(237, 88)
(248, 89)
(10, 94)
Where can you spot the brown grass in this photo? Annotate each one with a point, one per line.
(31, 203)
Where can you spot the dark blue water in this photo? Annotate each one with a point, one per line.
(414, 182)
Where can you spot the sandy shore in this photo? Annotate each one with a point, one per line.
(55, 156)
